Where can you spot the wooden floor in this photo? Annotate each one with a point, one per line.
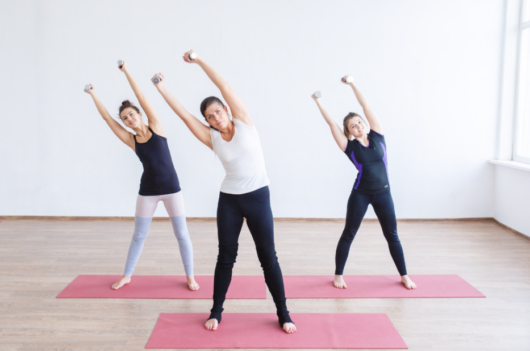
(38, 258)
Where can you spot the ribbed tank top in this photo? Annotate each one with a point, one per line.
(242, 159)
(159, 177)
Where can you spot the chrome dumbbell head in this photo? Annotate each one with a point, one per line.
(348, 79)
(157, 80)
(318, 94)
(192, 56)
(88, 87)
(120, 63)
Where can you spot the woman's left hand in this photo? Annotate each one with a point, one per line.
(123, 67)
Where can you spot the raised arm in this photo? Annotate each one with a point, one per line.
(237, 107)
(375, 125)
(198, 129)
(337, 133)
(152, 117)
(120, 132)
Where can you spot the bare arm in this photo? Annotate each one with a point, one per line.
(120, 132)
(152, 117)
(375, 125)
(337, 133)
(198, 129)
(237, 107)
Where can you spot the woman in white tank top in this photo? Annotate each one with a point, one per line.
(244, 191)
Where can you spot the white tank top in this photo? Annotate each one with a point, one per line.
(242, 159)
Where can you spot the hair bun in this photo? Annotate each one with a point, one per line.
(126, 103)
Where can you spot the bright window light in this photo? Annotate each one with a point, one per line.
(522, 130)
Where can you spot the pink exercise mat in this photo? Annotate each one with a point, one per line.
(161, 287)
(378, 286)
(262, 331)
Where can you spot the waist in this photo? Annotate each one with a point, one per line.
(243, 185)
(368, 191)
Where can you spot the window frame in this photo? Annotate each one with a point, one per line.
(522, 26)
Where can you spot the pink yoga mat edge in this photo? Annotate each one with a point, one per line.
(261, 331)
(161, 287)
(379, 286)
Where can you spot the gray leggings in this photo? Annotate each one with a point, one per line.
(145, 208)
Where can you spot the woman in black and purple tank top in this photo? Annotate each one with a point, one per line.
(159, 180)
(367, 151)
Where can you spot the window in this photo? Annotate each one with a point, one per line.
(521, 150)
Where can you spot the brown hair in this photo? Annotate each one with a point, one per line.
(209, 101)
(127, 103)
(345, 122)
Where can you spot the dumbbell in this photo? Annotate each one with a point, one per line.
(348, 79)
(120, 63)
(88, 87)
(318, 94)
(192, 56)
(157, 80)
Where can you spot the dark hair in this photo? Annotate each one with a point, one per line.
(345, 122)
(127, 103)
(209, 101)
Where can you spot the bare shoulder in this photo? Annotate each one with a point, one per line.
(157, 128)
(246, 120)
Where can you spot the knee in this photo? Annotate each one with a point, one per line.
(141, 229)
(227, 255)
(180, 228)
(392, 238)
(348, 235)
(267, 256)
(140, 235)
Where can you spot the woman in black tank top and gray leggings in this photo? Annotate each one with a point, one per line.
(159, 180)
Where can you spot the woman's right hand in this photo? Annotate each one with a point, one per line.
(314, 97)
(186, 57)
(91, 90)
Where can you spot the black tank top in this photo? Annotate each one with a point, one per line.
(159, 177)
(371, 162)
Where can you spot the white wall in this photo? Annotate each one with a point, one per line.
(430, 69)
(512, 198)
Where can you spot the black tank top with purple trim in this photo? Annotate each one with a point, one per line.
(371, 162)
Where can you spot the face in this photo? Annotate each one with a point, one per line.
(130, 117)
(356, 127)
(217, 116)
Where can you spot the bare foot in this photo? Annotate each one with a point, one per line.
(192, 284)
(409, 284)
(124, 280)
(289, 328)
(339, 282)
(211, 324)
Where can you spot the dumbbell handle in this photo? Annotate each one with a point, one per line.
(88, 87)
(157, 80)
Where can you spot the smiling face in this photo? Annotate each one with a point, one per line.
(217, 116)
(354, 125)
(130, 117)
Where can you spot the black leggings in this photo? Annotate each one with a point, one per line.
(255, 207)
(384, 209)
